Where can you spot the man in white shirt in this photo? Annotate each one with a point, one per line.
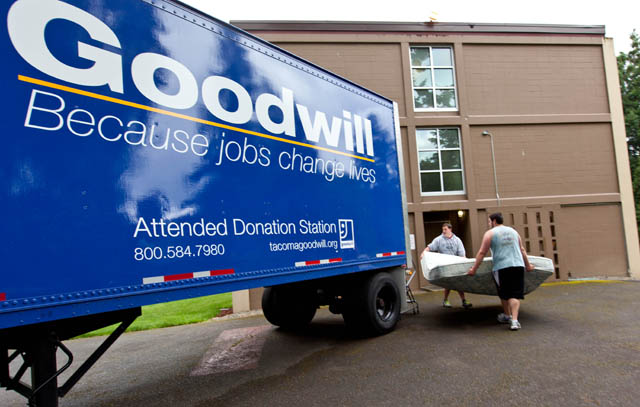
(448, 243)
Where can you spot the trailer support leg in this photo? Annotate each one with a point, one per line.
(96, 355)
(38, 346)
(44, 373)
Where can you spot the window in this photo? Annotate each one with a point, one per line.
(433, 78)
(440, 160)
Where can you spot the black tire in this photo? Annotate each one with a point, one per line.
(373, 307)
(289, 306)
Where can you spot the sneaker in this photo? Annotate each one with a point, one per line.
(504, 318)
(446, 304)
(515, 325)
(466, 304)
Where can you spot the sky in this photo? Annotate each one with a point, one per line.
(619, 17)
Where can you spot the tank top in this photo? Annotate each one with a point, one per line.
(505, 248)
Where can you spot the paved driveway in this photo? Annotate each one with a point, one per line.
(579, 346)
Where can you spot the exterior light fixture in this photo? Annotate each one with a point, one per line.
(460, 214)
(493, 160)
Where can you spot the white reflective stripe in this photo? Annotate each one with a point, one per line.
(316, 262)
(202, 274)
(152, 280)
(389, 254)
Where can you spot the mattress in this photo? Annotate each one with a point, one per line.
(450, 272)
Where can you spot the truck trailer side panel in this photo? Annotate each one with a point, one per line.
(151, 153)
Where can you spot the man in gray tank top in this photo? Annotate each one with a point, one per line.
(509, 263)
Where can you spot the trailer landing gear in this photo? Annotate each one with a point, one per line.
(38, 345)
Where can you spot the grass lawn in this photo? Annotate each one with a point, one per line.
(173, 313)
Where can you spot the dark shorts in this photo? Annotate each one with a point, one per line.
(511, 283)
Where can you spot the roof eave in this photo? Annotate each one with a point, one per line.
(414, 27)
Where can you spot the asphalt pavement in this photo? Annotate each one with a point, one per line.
(579, 346)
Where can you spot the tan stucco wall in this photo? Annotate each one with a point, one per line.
(545, 160)
(551, 103)
(534, 79)
(593, 242)
(374, 65)
(629, 224)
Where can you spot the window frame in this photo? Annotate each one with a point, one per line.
(433, 86)
(440, 170)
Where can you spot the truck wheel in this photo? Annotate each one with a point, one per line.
(373, 308)
(289, 306)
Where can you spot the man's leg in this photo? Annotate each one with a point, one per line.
(505, 307)
(514, 307)
(504, 317)
(465, 304)
(445, 302)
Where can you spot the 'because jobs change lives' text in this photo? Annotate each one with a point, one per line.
(46, 111)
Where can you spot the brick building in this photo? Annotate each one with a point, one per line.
(546, 96)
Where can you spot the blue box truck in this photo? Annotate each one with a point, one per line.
(152, 153)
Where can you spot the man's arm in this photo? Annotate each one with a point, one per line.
(484, 249)
(427, 249)
(527, 265)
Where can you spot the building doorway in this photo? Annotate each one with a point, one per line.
(433, 221)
